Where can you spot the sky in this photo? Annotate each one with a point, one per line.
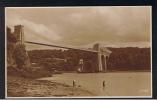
(84, 26)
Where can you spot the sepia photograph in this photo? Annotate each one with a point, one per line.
(78, 52)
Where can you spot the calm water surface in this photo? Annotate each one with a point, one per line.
(116, 84)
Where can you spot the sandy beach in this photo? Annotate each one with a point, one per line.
(25, 87)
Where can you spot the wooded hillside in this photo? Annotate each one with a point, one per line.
(130, 58)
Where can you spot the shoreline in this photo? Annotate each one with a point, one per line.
(111, 71)
(25, 87)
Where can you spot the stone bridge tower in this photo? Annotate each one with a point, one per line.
(19, 33)
(103, 53)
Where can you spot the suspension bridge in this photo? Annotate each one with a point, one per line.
(97, 48)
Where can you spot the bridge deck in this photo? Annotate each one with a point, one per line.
(60, 46)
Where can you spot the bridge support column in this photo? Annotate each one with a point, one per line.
(100, 62)
(105, 63)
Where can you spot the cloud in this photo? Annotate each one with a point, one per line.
(81, 26)
(33, 29)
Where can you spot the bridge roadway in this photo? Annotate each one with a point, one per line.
(37, 43)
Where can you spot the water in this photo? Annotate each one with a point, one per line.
(116, 84)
